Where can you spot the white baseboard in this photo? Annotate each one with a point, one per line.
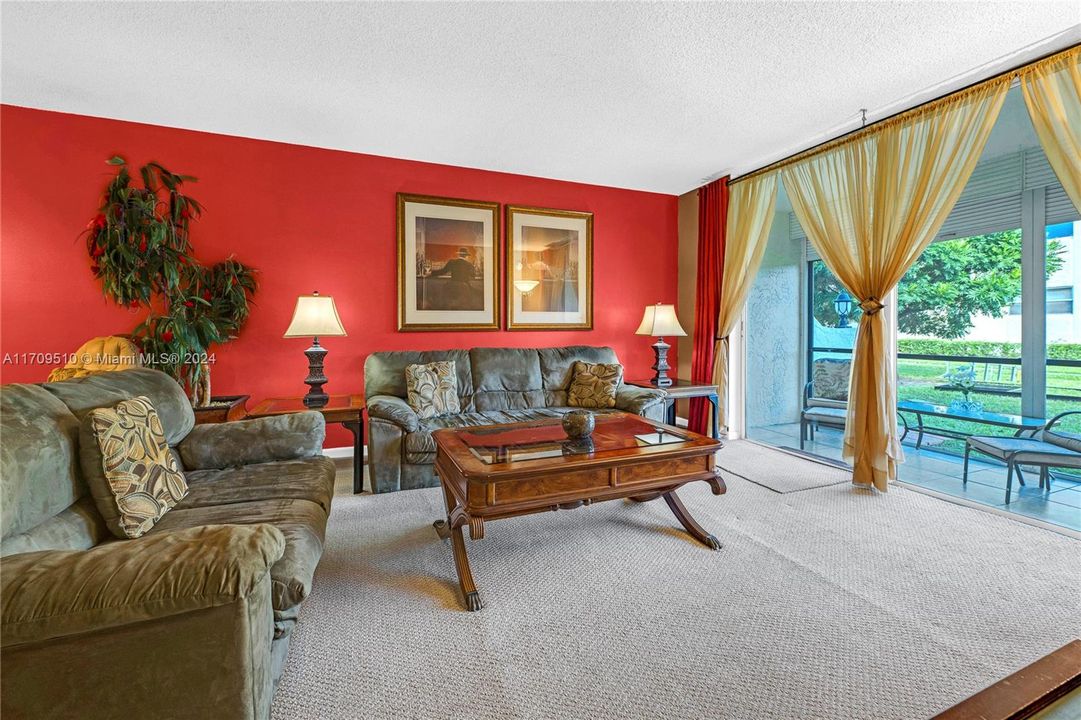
(342, 452)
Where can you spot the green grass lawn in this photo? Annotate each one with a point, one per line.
(917, 380)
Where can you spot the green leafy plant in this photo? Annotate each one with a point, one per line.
(952, 282)
(955, 280)
(139, 250)
(962, 379)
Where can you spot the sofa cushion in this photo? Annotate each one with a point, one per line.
(106, 389)
(250, 442)
(557, 368)
(39, 458)
(506, 378)
(62, 592)
(419, 447)
(432, 389)
(302, 522)
(384, 372)
(133, 477)
(306, 479)
(594, 385)
(77, 527)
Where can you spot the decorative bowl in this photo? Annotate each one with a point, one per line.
(579, 424)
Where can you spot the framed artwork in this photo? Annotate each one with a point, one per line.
(448, 264)
(549, 269)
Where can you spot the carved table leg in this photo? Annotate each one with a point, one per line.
(447, 528)
(689, 523)
(465, 575)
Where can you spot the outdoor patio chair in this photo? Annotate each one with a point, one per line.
(1047, 449)
(825, 399)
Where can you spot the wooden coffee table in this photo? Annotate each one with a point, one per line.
(501, 471)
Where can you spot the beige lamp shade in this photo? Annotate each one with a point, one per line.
(660, 320)
(315, 316)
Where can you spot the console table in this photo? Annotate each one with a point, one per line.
(680, 389)
(345, 409)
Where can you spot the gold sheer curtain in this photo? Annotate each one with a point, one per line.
(870, 204)
(750, 214)
(1052, 90)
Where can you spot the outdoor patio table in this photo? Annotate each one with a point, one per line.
(1018, 423)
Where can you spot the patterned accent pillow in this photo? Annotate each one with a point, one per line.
(432, 389)
(831, 379)
(139, 479)
(595, 384)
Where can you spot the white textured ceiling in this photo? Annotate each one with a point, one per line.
(648, 96)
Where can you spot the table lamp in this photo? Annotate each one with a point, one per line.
(315, 316)
(660, 320)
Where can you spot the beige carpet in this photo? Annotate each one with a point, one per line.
(828, 603)
(780, 471)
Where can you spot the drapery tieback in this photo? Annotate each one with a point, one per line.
(870, 306)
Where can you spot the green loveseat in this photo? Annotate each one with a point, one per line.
(495, 385)
(191, 620)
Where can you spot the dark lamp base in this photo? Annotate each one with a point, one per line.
(660, 364)
(315, 398)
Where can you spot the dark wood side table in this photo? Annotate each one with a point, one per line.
(222, 408)
(681, 389)
(345, 409)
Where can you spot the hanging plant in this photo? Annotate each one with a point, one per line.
(139, 250)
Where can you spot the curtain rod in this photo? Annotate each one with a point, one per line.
(818, 147)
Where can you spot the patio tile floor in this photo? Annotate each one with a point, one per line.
(941, 472)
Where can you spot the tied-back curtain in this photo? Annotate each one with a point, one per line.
(870, 205)
(712, 216)
(750, 214)
(1052, 90)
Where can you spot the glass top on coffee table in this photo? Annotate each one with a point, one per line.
(547, 439)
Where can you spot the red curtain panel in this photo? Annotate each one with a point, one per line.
(712, 218)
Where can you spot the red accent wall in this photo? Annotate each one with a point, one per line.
(308, 219)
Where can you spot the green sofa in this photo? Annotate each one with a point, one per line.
(495, 385)
(192, 619)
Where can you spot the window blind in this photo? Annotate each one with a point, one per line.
(991, 201)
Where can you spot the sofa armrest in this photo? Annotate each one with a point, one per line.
(638, 400)
(394, 409)
(247, 442)
(57, 593)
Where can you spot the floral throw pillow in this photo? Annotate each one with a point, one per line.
(432, 389)
(136, 479)
(831, 379)
(594, 385)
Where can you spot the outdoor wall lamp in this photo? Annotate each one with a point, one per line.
(843, 304)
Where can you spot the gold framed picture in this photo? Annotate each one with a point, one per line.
(549, 269)
(449, 268)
